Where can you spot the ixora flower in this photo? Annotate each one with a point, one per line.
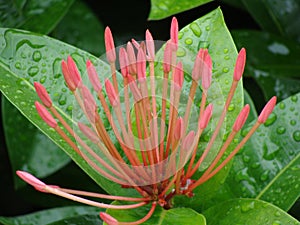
(151, 140)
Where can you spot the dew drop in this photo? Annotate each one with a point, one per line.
(19, 91)
(242, 175)
(225, 69)
(231, 107)
(180, 52)
(277, 213)
(43, 79)
(188, 41)
(225, 50)
(280, 130)
(270, 150)
(246, 158)
(294, 98)
(207, 28)
(255, 165)
(36, 56)
(272, 118)
(281, 105)
(247, 207)
(18, 65)
(23, 103)
(32, 71)
(296, 135)
(265, 175)
(162, 6)
(180, 35)
(293, 122)
(62, 100)
(226, 57)
(196, 29)
(70, 108)
(276, 222)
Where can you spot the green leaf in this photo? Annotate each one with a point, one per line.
(80, 220)
(77, 23)
(276, 16)
(28, 148)
(268, 166)
(178, 216)
(52, 215)
(33, 15)
(272, 61)
(163, 9)
(247, 211)
(248, 100)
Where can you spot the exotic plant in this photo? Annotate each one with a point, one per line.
(156, 126)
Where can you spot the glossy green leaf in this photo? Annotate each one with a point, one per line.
(33, 15)
(81, 28)
(247, 100)
(247, 211)
(268, 166)
(28, 148)
(163, 9)
(272, 61)
(276, 16)
(52, 215)
(178, 216)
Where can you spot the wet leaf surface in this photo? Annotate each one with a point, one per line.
(247, 211)
(163, 9)
(180, 216)
(56, 216)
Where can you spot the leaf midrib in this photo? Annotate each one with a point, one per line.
(277, 176)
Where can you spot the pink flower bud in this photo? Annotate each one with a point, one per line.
(188, 141)
(141, 65)
(108, 219)
(32, 180)
(178, 132)
(174, 33)
(239, 65)
(111, 93)
(109, 45)
(124, 62)
(241, 119)
(200, 64)
(267, 110)
(69, 80)
(45, 115)
(206, 116)
(150, 46)
(207, 73)
(74, 73)
(131, 58)
(43, 94)
(178, 76)
(93, 76)
(167, 58)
